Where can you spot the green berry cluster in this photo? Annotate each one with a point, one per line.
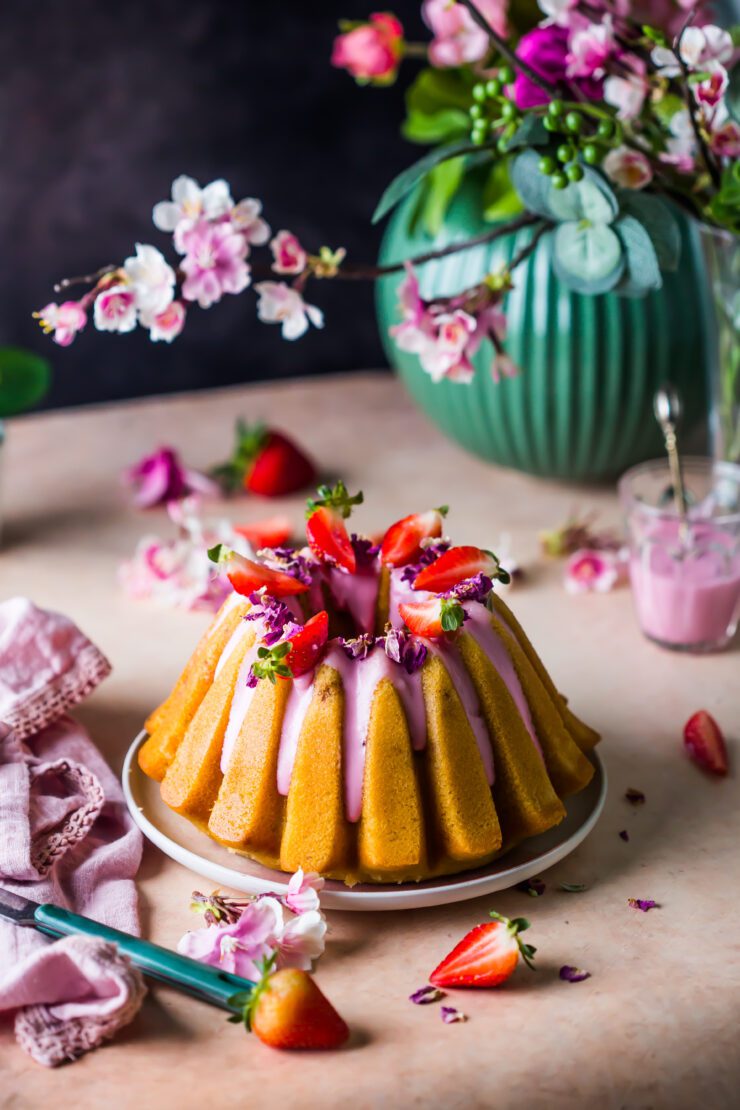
(581, 141)
(491, 110)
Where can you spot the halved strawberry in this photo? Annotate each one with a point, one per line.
(247, 576)
(307, 645)
(402, 542)
(287, 1010)
(455, 566)
(432, 617)
(327, 535)
(705, 743)
(272, 531)
(486, 956)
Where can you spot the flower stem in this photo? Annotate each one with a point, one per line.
(84, 279)
(505, 50)
(691, 106)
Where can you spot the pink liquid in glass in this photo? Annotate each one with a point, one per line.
(686, 594)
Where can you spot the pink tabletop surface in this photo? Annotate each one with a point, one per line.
(655, 1026)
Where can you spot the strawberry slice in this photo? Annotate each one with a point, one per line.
(705, 743)
(308, 644)
(486, 956)
(455, 566)
(402, 542)
(273, 531)
(433, 617)
(247, 576)
(327, 535)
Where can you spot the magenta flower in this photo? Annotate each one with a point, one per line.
(371, 51)
(214, 262)
(64, 320)
(546, 51)
(289, 255)
(591, 571)
(115, 309)
(161, 477)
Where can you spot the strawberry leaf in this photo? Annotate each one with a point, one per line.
(334, 497)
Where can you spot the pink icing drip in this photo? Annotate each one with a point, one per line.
(240, 703)
(480, 628)
(400, 592)
(296, 708)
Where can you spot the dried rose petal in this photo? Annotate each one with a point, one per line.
(425, 995)
(533, 887)
(573, 974)
(624, 835)
(450, 1015)
(643, 904)
(634, 797)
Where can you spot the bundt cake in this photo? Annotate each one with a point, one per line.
(373, 713)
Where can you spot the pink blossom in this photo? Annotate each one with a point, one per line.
(64, 320)
(503, 367)
(280, 304)
(724, 141)
(238, 948)
(303, 891)
(189, 203)
(700, 46)
(591, 571)
(559, 11)
(214, 262)
(372, 51)
(681, 147)
(161, 477)
(590, 47)
(165, 325)
(151, 278)
(627, 93)
(711, 90)
(115, 309)
(628, 168)
(302, 940)
(246, 218)
(289, 255)
(457, 37)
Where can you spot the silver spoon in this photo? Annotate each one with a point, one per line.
(668, 410)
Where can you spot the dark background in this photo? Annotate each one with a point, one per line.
(102, 105)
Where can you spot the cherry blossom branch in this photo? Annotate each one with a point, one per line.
(84, 279)
(686, 89)
(505, 50)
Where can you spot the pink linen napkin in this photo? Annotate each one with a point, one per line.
(65, 837)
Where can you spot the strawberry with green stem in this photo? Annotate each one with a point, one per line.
(248, 576)
(456, 566)
(403, 542)
(487, 955)
(266, 462)
(286, 1009)
(295, 656)
(325, 529)
(433, 617)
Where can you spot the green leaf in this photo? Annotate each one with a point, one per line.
(573, 888)
(440, 186)
(589, 259)
(24, 380)
(732, 96)
(500, 199)
(437, 89)
(439, 127)
(642, 272)
(660, 224)
(533, 187)
(589, 199)
(531, 132)
(406, 180)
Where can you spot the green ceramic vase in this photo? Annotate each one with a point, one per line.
(581, 408)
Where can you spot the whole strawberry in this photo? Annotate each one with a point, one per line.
(266, 462)
(287, 1010)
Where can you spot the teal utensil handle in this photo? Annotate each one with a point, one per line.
(205, 983)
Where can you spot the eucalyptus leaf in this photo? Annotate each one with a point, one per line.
(660, 224)
(588, 199)
(500, 199)
(531, 132)
(532, 186)
(642, 272)
(588, 258)
(437, 127)
(24, 380)
(405, 181)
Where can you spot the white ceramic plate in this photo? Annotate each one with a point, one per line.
(193, 849)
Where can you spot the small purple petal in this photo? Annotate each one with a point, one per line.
(427, 557)
(425, 995)
(365, 550)
(624, 835)
(643, 904)
(276, 617)
(533, 887)
(359, 647)
(573, 974)
(450, 1015)
(403, 648)
(252, 679)
(290, 561)
(472, 589)
(634, 797)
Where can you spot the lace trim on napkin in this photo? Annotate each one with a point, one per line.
(34, 713)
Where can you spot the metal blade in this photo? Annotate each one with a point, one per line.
(17, 909)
